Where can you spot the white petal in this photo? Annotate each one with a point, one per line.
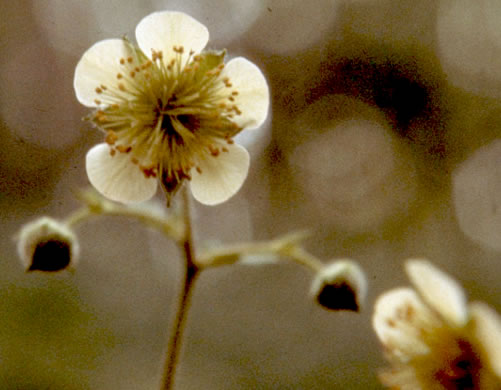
(116, 177)
(99, 65)
(399, 317)
(161, 31)
(221, 176)
(439, 291)
(488, 332)
(253, 97)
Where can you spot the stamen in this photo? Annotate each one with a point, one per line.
(98, 90)
(119, 76)
(97, 101)
(123, 148)
(111, 137)
(199, 170)
(112, 152)
(178, 49)
(213, 151)
(129, 59)
(122, 61)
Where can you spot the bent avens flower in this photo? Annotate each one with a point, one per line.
(169, 111)
(434, 339)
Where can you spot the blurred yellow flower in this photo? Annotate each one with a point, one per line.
(169, 111)
(433, 338)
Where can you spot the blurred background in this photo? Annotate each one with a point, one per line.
(383, 140)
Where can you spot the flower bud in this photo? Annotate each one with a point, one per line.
(340, 285)
(47, 245)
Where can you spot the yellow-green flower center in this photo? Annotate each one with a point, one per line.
(168, 115)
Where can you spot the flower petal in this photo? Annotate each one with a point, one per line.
(399, 319)
(161, 31)
(116, 177)
(439, 291)
(488, 332)
(99, 66)
(253, 95)
(221, 176)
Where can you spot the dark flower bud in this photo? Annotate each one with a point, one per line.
(47, 245)
(340, 286)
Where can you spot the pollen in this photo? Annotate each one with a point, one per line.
(123, 148)
(111, 137)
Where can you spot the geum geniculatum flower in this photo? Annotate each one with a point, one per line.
(169, 112)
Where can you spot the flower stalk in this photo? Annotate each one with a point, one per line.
(190, 276)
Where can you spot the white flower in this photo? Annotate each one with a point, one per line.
(47, 245)
(433, 338)
(169, 111)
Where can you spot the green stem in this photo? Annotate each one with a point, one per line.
(190, 277)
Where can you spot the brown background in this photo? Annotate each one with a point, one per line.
(377, 191)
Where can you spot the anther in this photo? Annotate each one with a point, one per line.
(121, 87)
(97, 101)
(103, 87)
(199, 170)
(123, 148)
(230, 141)
(100, 116)
(224, 149)
(213, 151)
(134, 160)
(129, 59)
(132, 74)
(112, 152)
(234, 93)
(137, 69)
(231, 99)
(111, 137)
(119, 76)
(122, 61)
(98, 90)
(178, 49)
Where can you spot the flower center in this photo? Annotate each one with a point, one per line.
(461, 372)
(452, 362)
(168, 114)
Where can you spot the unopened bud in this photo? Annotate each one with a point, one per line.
(47, 245)
(340, 285)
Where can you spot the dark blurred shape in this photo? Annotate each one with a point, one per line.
(51, 255)
(406, 83)
(47, 245)
(338, 297)
(340, 285)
